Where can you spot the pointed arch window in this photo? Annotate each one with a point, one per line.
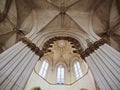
(60, 74)
(44, 68)
(77, 70)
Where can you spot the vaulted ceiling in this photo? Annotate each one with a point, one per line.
(16, 22)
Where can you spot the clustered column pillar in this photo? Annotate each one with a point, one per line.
(17, 63)
(104, 63)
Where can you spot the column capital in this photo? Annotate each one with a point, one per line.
(32, 46)
(92, 48)
(99, 42)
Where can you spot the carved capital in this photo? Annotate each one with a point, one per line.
(92, 48)
(99, 43)
(73, 41)
(32, 46)
(83, 55)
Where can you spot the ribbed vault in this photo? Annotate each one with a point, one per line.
(104, 23)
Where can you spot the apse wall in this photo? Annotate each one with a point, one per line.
(35, 80)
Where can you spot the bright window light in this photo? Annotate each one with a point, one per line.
(44, 68)
(77, 70)
(60, 74)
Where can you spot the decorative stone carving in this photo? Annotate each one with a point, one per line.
(99, 42)
(32, 46)
(73, 41)
(92, 47)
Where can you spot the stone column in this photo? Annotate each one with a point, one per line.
(17, 63)
(104, 63)
(100, 80)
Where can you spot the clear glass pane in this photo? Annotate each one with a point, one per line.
(44, 68)
(60, 74)
(77, 69)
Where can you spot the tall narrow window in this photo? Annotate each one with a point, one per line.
(60, 74)
(44, 68)
(77, 69)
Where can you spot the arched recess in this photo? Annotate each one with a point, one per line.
(60, 74)
(44, 68)
(44, 36)
(83, 66)
(49, 44)
(77, 69)
(74, 44)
